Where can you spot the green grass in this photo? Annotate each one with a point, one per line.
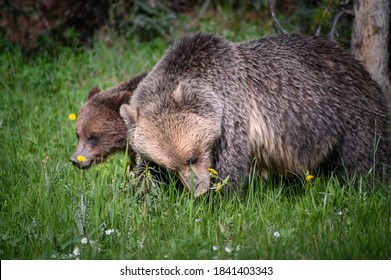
(49, 209)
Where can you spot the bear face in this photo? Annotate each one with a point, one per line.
(168, 136)
(99, 128)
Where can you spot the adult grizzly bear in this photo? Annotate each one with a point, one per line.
(294, 103)
(100, 130)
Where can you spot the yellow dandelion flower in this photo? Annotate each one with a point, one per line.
(44, 161)
(212, 171)
(81, 158)
(72, 116)
(308, 176)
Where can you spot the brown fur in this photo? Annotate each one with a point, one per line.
(99, 127)
(293, 103)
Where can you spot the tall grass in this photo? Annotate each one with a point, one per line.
(51, 210)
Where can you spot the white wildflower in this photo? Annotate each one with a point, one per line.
(84, 240)
(228, 249)
(76, 251)
(215, 248)
(276, 234)
(109, 231)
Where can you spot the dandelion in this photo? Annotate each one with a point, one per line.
(81, 158)
(72, 116)
(308, 176)
(212, 171)
(45, 160)
(276, 234)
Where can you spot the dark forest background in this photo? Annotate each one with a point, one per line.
(362, 26)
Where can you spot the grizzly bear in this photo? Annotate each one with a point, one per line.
(290, 103)
(100, 130)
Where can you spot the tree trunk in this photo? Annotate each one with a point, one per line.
(371, 37)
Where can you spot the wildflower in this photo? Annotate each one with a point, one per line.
(308, 176)
(276, 234)
(109, 231)
(140, 244)
(84, 240)
(215, 248)
(72, 116)
(45, 161)
(228, 249)
(212, 171)
(76, 252)
(81, 158)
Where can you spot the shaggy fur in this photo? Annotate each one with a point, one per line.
(294, 103)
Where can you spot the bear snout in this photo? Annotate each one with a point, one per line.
(85, 163)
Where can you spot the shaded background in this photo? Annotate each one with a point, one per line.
(360, 25)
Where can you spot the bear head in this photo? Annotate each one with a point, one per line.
(100, 130)
(177, 130)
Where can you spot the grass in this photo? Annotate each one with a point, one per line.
(51, 210)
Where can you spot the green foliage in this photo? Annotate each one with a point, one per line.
(317, 17)
(138, 18)
(73, 23)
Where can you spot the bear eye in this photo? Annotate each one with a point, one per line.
(93, 139)
(192, 160)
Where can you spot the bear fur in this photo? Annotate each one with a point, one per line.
(293, 103)
(99, 128)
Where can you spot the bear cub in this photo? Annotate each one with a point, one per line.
(293, 103)
(100, 130)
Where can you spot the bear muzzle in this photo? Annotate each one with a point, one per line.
(81, 162)
(199, 182)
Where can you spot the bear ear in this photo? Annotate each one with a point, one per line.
(93, 91)
(129, 114)
(115, 101)
(178, 94)
(182, 96)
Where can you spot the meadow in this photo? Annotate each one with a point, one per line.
(51, 210)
